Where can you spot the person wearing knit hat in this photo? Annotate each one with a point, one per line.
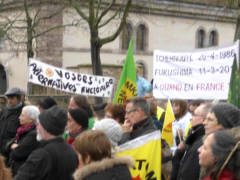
(222, 116)
(53, 120)
(54, 158)
(46, 103)
(111, 128)
(77, 123)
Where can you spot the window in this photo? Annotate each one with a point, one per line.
(141, 37)
(1, 39)
(3, 80)
(200, 38)
(213, 38)
(126, 36)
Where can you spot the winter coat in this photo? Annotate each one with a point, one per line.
(9, 123)
(107, 169)
(53, 159)
(225, 175)
(139, 129)
(26, 144)
(143, 86)
(188, 160)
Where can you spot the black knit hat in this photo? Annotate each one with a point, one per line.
(227, 115)
(47, 102)
(80, 116)
(54, 120)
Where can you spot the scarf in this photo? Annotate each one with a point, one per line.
(23, 129)
(14, 107)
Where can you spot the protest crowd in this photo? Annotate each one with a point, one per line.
(139, 137)
(46, 141)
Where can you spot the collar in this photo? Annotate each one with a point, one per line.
(20, 104)
(55, 139)
(197, 132)
(140, 124)
(99, 166)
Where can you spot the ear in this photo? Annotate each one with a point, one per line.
(88, 159)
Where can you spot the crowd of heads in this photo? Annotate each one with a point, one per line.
(220, 149)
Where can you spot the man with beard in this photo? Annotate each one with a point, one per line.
(54, 158)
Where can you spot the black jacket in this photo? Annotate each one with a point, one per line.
(106, 169)
(26, 144)
(9, 123)
(53, 159)
(143, 127)
(189, 165)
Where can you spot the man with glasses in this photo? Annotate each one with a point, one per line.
(137, 119)
(186, 156)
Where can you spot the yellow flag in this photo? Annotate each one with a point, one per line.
(167, 133)
(146, 151)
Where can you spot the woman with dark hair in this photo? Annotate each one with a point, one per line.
(116, 112)
(78, 101)
(180, 125)
(219, 156)
(95, 156)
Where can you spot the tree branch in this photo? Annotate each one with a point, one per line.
(36, 23)
(98, 7)
(76, 7)
(51, 29)
(105, 11)
(111, 18)
(91, 15)
(122, 23)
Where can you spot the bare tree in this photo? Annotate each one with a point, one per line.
(100, 14)
(27, 21)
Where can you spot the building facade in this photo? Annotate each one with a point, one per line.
(162, 25)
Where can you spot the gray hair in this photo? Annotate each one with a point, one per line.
(32, 112)
(140, 102)
(205, 108)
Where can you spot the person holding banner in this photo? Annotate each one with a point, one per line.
(94, 152)
(179, 126)
(138, 123)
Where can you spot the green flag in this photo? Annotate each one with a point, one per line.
(234, 89)
(127, 86)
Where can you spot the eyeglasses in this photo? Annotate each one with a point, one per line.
(128, 112)
(196, 115)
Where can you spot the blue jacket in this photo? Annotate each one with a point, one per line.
(143, 86)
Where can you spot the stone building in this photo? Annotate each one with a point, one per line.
(163, 25)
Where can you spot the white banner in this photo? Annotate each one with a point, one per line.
(49, 76)
(193, 75)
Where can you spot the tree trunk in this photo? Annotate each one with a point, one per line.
(30, 52)
(237, 31)
(95, 57)
(96, 63)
